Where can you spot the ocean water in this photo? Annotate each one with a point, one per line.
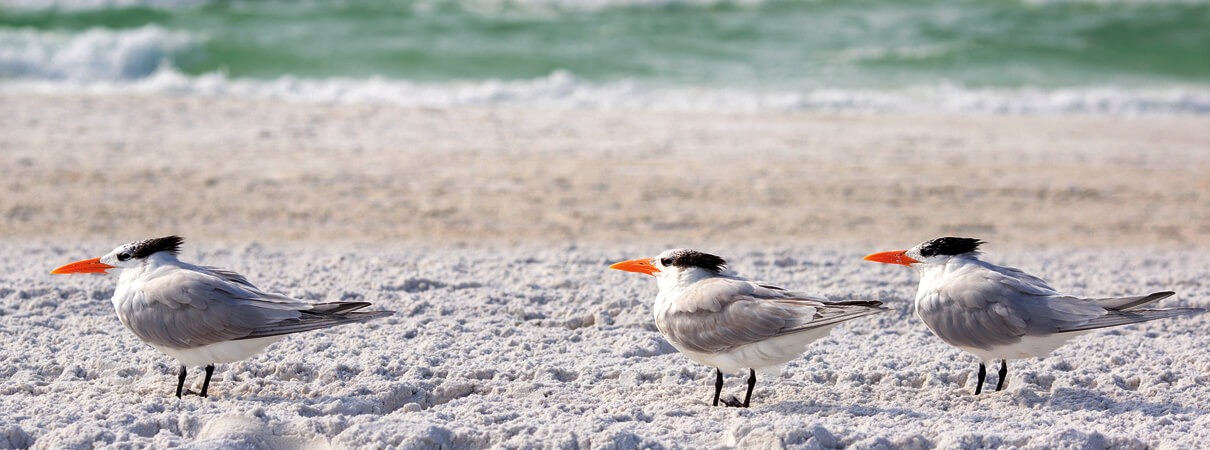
(1109, 56)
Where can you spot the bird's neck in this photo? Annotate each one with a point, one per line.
(934, 275)
(147, 267)
(677, 282)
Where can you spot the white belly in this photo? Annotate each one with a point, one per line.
(766, 356)
(218, 353)
(1028, 347)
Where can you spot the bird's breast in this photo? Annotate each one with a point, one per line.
(928, 305)
(123, 301)
(944, 317)
(660, 313)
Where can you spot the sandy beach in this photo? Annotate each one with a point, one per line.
(517, 346)
(489, 231)
(125, 167)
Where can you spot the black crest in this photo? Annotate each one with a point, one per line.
(693, 258)
(143, 249)
(949, 246)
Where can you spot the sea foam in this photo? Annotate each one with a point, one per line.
(473, 5)
(76, 5)
(489, 6)
(95, 54)
(148, 60)
(561, 89)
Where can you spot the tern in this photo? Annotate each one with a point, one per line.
(996, 312)
(730, 323)
(202, 315)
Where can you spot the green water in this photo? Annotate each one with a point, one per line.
(789, 44)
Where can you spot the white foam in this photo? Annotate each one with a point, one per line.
(146, 61)
(76, 5)
(494, 6)
(93, 55)
(561, 89)
(487, 6)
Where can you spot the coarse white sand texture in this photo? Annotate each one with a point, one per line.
(489, 230)
(543, 346)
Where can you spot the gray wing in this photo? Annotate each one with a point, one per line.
(247, 290)
(186, 309)
(313, 316)
(721, 314)
(1124, 311)
(986, 308)
(324, 315)
(1128, 303)
(1115, 318)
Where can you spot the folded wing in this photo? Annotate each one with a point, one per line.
(722, 314)
(187, 309)
(998, 307)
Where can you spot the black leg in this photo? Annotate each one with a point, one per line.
(206, 384)
(734, 402)
(180, 382)
(718, 385)
(1003, 374)
(751, 384)
(982, 374)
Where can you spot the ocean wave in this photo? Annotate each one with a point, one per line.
(419, 5)
(593, 5)
(95, 54)
(94, 5)
(83, 5)
(561, 89)
(496, 6)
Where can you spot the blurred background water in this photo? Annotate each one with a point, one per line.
(1115, 56)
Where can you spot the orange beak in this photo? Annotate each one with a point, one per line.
(637, 265)
(892, 258)
(86, 266)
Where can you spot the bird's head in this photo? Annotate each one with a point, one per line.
(929, 253)
(125, 256)
(676, 264)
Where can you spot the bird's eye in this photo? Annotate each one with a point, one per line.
(666, 261)
(123, 256)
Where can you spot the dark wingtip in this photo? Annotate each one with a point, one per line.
(1155, 297)
(336, 308)
(869, 303)
(1141, 301)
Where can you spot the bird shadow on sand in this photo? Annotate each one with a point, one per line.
(1062, 398)
(1092, 400)
(814, 407)
(364, 401)
(326, 405)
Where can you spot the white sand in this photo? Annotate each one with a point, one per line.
(542, 345)
(489, 232)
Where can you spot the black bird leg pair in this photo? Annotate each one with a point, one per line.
(180, 381)
(983, 373)
(734, 402)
